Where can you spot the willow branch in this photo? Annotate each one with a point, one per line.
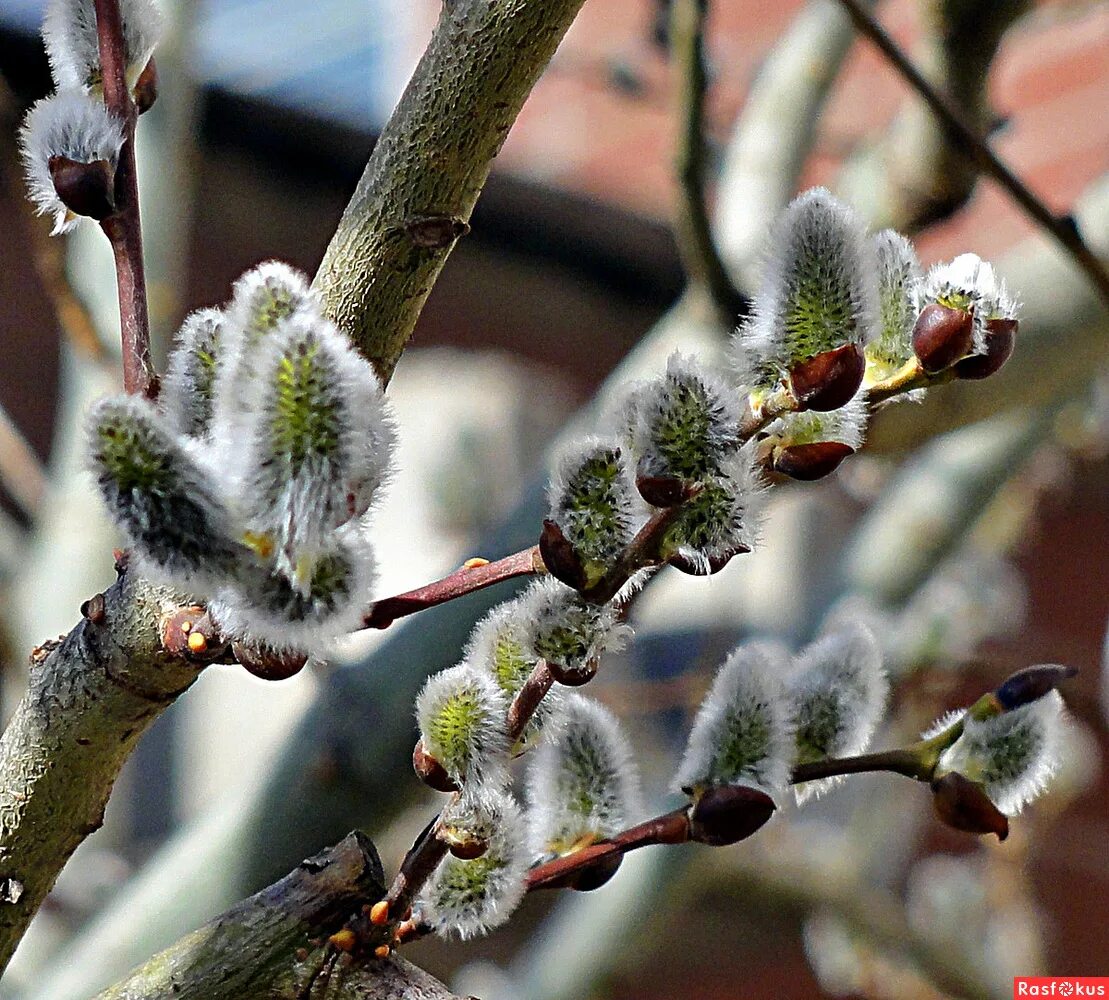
(978, 150)
(124, 228)
(700, 257)
(425, 174)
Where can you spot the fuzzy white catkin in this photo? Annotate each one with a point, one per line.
(470, 898)
(685, 423)
(899, 278)
(70, 124)
(315, 440)
(187, 396)
(461, 714)
(846, 425)
(323, 603)
(742, 733)
(69, 31)
(818, 291)
(566, 630)
(593, 499)
(500, 645)
(838, 691)
(583, 785)
(970, 283)
(166, 505)
(1013, 755)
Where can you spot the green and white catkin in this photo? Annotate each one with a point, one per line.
(818, 291)
(742, 734)
(188, 389)
(461, 714)
(165, 504)
(466, 899)
(72, 45)
(500, 645)
(582, 785)
(566, 630)
(1012, 755)
(899, 278)
(837, 693)
(69, 124)
(684, 424)
(723, 518)
(594, 503)
(847, 425)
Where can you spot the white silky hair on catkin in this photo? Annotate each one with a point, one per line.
(968, 282)
(461, 715)
(298, 491)
(187, 395)
(264, 605)
(846, 425)
(742, 733)
(565, 629)
(582, 785)
(70, 124)
(72, 46)
(470, 898)
(899, 277)
(838, 690)
(1013, 754)
(819, 289)
(593, 499)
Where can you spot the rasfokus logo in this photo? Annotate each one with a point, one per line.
(1061, 986)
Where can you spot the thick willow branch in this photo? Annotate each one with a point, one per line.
(700, 258)
(275, 944)
(971, 144)
(428, 168)
(90, 698)
(123, 227)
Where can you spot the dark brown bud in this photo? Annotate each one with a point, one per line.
(573, 676)
(433, 232)
(726, 814)
(708, 567)
(942, 336)
(808, 462)
(562, 562)
(1032, 683)
(94, 609)
(1001, 338)
(663, 491)
(430, 771)
(596, 874)
(964, 805)
(466, 848)
(84, 188)
(829, 380)
(146, 88)
(269, 664)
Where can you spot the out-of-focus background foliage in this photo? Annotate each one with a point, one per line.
(987, 549)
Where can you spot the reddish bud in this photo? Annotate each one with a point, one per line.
(942, 336)
(808, 462)
(146, 88)
(267, 663)
(430, 771)
(708, 567)
(1001, 338)
(1032, 683)
(828, 381)
(573, 677)
(663, 491)
(963, 805)
(596, 874)
(467, 848)
(726, 814)
(84, 188)
(562, 562)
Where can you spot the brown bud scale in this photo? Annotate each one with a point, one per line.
(1001, 338)
(85, 188)
(942, 336)
(828, 381)
(809, 462)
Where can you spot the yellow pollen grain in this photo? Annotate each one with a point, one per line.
(197, 642)
(475, 562)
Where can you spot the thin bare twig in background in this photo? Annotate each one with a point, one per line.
(700, 257)
(1063, 230)
(21, 471)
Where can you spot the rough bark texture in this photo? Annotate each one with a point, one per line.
(89, 700)
(428, 168)
(273, 945)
